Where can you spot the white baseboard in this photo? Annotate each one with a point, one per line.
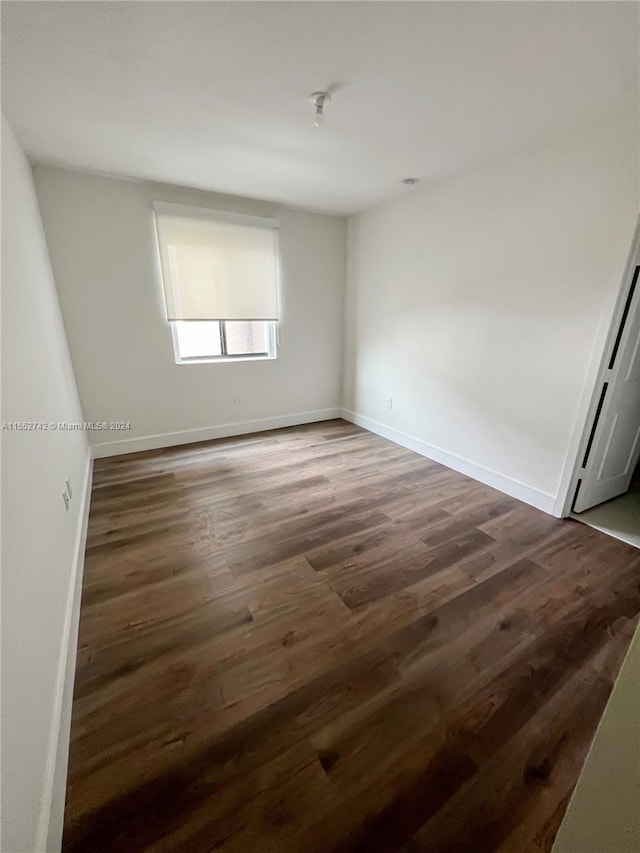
(170, 439)
(49, 835)
(513, 488)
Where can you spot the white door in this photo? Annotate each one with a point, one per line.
(613, 445)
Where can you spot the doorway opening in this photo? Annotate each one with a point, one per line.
(603, 489)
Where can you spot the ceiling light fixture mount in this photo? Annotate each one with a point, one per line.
(319, 99)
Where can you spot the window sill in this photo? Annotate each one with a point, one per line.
(225, 359)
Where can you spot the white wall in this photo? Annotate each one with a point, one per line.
(103, 250)
(474, 304)
(41, 541)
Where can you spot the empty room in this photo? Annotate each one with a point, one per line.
(320, 427)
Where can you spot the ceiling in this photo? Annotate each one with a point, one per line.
(215, 94)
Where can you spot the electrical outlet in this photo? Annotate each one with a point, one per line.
(67, 482)
(389, 402)
(65, 498)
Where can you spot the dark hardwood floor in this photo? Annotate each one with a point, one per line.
(315, 640)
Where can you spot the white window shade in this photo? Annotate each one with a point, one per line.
(217, 266)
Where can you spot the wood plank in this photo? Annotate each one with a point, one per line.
(312, 640)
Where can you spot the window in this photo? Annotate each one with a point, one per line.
(220, 279)
(212, 340)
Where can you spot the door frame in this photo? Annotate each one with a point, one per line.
(598, 363)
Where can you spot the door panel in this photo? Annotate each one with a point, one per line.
(620, 448)
(614, 450)
(633, 371)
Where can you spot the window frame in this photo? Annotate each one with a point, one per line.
(270, 355)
